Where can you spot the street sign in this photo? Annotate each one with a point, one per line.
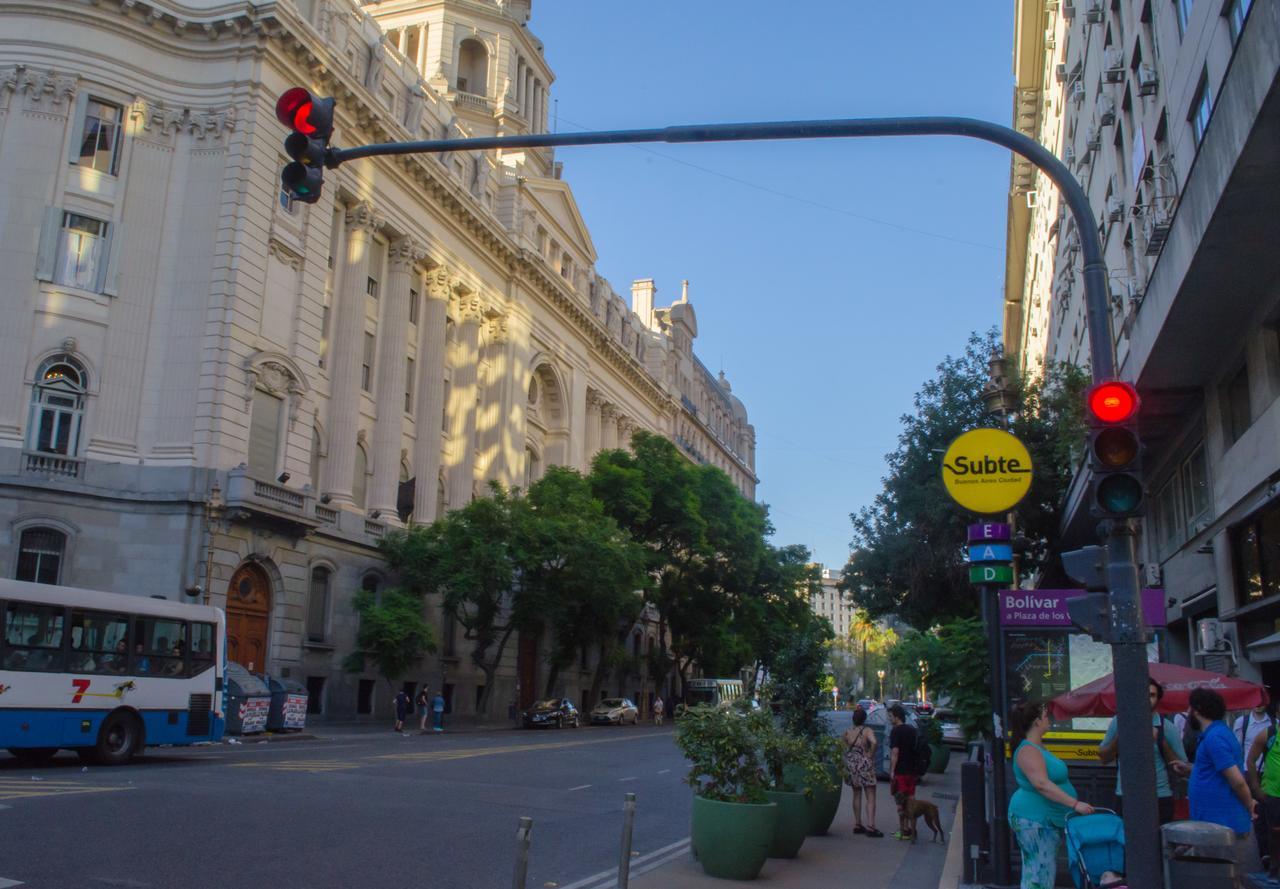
(990, 574)
(987, 471)
(990, 552)
(984, 531)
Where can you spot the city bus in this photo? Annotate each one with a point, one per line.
(715, 692)
(106, 674)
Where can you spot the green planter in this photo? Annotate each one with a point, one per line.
(823, 804)
(939, 757)
(793, 823)
(732, 840)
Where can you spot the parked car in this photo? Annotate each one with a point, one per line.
(557, 712)
(871, 705)
(952, 734)
(615, 711)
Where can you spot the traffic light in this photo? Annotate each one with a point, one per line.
(1115, 452)
(311, 119)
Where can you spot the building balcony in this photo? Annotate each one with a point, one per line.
(270, 503)
(52, 465)
(471, 100)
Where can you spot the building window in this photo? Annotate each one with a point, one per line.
(364, 697)
(371, 287)
(264, 434)
(360, 481)
(1182, 506)
(1256, 550)
(318, 604)
(100, 137)
(324, 335)
(40, 555)
(81, 253)
(1201, 109)
(315, 694)
(408, 386)
(366, 365)
(1236, 12)
(287, 203)
(413, 307)
(473, 67)
(1183, 10)
(57, 406)
(1236, 414)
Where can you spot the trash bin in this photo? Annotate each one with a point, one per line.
(1198, 855)
(248, 701)
(288, 711)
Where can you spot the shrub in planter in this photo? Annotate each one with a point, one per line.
(939, 752)
(733, 820)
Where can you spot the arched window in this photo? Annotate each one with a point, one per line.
(315, 458)
(371, 583)
(318, 604)
(473, 68)
(264, 434)
(57, 406)
(40, 552)
(360, 481)
(532, 467)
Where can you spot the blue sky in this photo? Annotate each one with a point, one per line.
(829, 277)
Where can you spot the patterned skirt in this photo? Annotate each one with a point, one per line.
(859, 770)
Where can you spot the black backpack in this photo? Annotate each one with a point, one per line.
(921, 754)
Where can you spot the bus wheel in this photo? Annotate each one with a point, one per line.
(119, 740)
(34, 756)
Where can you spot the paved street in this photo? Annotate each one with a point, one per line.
(352, 810)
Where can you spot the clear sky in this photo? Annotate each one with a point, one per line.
(829, 277)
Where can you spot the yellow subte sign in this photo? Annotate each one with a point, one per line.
(987, 471)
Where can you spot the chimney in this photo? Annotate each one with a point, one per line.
(642, 292)
(684, 290)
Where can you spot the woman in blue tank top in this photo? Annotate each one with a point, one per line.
(1038, 809)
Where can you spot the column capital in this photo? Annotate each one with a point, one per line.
(405, 252)
(470, 308)
(439, 283)
(609, 412)
(363, 217)
(499, 330)
(594, 401)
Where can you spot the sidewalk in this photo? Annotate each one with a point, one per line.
(841, 858)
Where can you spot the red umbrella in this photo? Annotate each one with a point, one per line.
(1098, 698)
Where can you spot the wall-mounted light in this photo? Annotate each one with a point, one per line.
(325, 498)
(374, 513)
(282, 478)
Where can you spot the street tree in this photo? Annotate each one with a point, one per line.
(393, 633)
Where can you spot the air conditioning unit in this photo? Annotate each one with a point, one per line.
(1032, 199)
(1069, 157)
(1093, 138)
(1068, 9)
(1077, 92)
(1115, 209)
(1060, 73)
(1155, 231)
(1212, 638)
(1093, 12)
(1113, 64)
(1050, 39)
(1152, 575)
(1148, 80)
(1106, 108)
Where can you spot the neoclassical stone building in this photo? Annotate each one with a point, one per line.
(210, 392)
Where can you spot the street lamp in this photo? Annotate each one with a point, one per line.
(924, 667)
(880, 673)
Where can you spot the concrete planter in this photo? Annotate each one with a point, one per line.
(823, 803)
(793, 823)
(939, 758)
(732, 840)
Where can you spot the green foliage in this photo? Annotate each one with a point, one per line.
(723, 750)
(393, 634)
(956, 658)
(908, 546)
(796, 680)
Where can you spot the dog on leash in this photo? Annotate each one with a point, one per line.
(910, 811)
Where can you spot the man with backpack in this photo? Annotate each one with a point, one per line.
(1262, 767)
(904, 768)
(1170, 759)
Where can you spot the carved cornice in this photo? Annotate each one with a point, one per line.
(285, 253)
(46, 89)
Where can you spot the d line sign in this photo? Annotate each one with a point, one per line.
(987, 471)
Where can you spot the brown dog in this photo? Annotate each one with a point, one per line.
(909, 812)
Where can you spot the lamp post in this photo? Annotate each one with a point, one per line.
(880, 673)
(924, 668)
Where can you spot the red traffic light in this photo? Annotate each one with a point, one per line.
(294, 108)
(1113, 402)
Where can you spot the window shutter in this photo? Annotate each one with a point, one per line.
(77, 128)
(107, 262)
(47, 253)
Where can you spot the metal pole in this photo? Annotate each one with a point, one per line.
(1000, 861)
(522, 852)
(624, 855)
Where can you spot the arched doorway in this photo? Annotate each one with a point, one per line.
(248, 617)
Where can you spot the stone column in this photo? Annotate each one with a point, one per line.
(508, 336)
(594, 403)
(430, 409)
(462, 400)
(388, 431)
(609, 427)
(421, 61)
(347, 351)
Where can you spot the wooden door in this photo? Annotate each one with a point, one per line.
(248, 617)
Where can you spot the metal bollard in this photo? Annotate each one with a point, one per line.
(624, 857)
(522, 852)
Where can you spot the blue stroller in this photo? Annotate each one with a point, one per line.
(1095, 844)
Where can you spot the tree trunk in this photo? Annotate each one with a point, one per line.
(598, 679)
(490, 668)
(553, 673)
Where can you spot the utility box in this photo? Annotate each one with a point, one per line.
(1198, 855)
(248, 701)
(288, 711)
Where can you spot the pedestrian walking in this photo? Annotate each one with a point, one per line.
(1249, 725)
(1260, 722)
(1218, 789)
(1038, 809)
(424, 708)
(1171, 758)
(658, 708)
(437, 708)
(860, 773)
(1263, 771)
(403, 706)
(903, 776)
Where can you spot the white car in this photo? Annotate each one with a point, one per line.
(614, 711)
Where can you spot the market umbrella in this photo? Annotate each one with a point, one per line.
(1098, 698)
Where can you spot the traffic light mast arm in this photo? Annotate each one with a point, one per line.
(1101, 346)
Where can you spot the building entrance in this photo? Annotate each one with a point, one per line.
(248, 617)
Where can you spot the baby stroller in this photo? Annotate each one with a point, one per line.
(1095, 844)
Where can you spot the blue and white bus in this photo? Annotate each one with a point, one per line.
(106, 674)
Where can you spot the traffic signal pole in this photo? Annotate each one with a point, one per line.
(1128, 634)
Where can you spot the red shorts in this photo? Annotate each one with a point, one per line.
(903, 784)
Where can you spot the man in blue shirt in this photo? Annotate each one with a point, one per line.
(1218, 790)
(1170, 756)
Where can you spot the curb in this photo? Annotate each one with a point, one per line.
(953, 866)
(266, 737)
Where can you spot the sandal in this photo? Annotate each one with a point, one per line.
(875, 834)
(859, 829)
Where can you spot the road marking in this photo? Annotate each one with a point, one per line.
(632, 778)
(579, 787)
(299, 765)
(14, 788)
(663, 771)
(468, 753)
(5, 884)
(608, 879)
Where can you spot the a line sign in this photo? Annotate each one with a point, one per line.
(990, 552)
(987, 471)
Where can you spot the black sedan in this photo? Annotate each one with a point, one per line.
(557, 712)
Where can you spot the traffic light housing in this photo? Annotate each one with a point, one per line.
(1115, 450)
(310, 117)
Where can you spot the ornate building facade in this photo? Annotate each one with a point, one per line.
(209, 392)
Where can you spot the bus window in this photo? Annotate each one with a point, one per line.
(33, 637)
(99, 642)
(159, 646)
(202, 647)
